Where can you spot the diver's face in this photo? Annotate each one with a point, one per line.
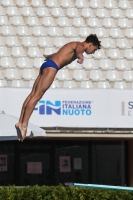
(91, 48)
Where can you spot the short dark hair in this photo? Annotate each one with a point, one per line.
(93, 39)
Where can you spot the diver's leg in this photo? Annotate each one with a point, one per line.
(44, 82)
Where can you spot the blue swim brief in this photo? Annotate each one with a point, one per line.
(49, 63)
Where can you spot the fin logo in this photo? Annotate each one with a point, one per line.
(53, 107)
(40, 106)
(48, 107)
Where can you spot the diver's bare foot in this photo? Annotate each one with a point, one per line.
(18, 131)
(17, 125)
(23, 130)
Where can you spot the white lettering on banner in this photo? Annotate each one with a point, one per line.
(74, 108)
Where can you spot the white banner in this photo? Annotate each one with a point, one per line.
(65, 164)
(34, 167)
(3, 163)
(74, 107)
